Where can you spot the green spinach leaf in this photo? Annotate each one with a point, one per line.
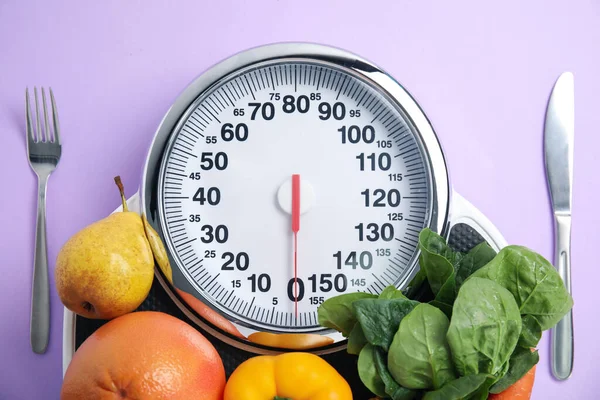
(483, 392)
(458, 389)
(503, 370)
(533, 281)
(531, 332)
(416, 284)
(437, 244)
(521, 361)
(392, 388)
(475, 259)
(337, 312)
(446, 296)
(484, 328)
(391, 292)
(380, 319)
(419, 357)
(356, 340)
(447, 293)
(436, 259)
(445, 308)
(368, 372)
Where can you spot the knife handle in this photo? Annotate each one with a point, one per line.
(562, 333)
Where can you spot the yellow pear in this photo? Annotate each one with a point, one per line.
(106, 269)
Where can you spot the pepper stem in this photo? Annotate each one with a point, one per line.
(281, 398)
(122, 191)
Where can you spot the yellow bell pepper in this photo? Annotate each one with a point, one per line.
(288, 376)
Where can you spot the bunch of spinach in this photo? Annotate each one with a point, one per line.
(464, 327)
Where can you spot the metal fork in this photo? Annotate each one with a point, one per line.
(44, 149)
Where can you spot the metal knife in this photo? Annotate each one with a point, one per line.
(558, 153)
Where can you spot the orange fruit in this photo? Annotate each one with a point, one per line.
(145, 355)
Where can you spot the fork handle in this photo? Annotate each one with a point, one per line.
(40, 301)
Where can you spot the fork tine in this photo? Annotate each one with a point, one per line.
(40, 136)
(46, 126)
(29, 121)
(55, 117)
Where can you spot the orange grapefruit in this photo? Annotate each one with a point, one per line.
(145, 355)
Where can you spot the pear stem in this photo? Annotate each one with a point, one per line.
(122, 191)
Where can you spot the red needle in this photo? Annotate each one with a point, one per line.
(295, 229)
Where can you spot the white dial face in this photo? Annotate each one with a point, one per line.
(289, 141)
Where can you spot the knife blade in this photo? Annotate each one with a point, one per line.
(559, 129)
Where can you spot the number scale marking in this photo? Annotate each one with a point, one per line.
(346, 138)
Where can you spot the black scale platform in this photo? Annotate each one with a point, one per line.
(462, 238)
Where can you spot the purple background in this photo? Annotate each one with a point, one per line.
(481, 72)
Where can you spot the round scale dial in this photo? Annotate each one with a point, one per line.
(290, 182)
